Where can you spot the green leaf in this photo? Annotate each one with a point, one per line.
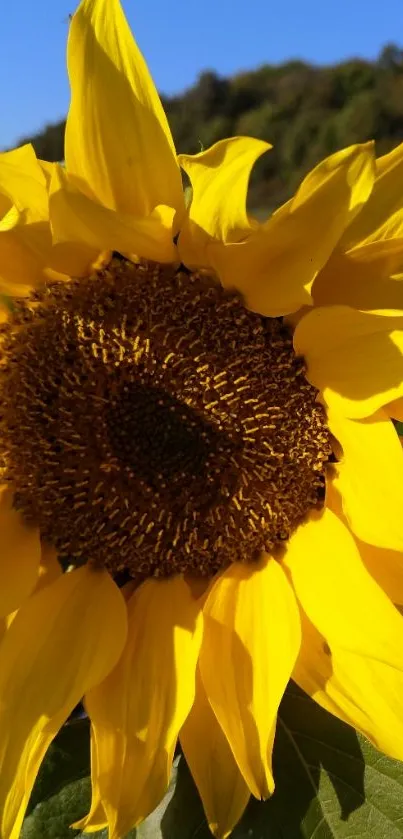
(51, 819)
(330, 784)
(181, 815)
(399, 427)
(103, 834)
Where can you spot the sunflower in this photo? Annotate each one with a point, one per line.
(198, 500)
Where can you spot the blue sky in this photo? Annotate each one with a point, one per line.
(179, 40)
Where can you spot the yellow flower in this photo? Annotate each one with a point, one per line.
(196, 505)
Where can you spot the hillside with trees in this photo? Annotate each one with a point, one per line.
(305, 111)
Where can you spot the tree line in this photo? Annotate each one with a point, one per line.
(305, 111)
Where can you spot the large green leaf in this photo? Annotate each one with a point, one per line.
(50, 819)
(330, 784)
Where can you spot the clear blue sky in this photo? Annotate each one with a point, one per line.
(179, 40)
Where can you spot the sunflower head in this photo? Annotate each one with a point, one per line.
(152, 424)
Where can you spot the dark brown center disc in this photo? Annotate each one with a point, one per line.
(151, 424)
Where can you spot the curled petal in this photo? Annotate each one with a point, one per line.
(222, 788)
(276, 265)
(138, 711)
(62, 642)
(85, 228)
(367, 277)
(354, 358)
(351, 657)
(371, 491)
(25, 238)
(118, 142)
(245, 663)
(383, 203)
(20, 555)
(384, 565)
(217, 214)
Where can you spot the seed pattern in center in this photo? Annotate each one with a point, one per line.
(151, 424)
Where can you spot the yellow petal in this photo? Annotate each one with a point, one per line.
(390, 161)
(50, 568)
(385, 200)
(47, 169)
(20, 270)
(23, 182)
(350, 171)
(385, 566)
(245, 662)
(276, 266)
(370, 478)
(392, 227)
(219, 178)
(63, 641)
(117, 136)
(24, 253)
(9, 215)
(354, 358)
(366, 277)
(77, 219)
(351, 658)
(49, 571)
(26, 256)
(20, 554)
(96, 818)
(5, 622)
(137, 712)
(221, 786)
(25, 239)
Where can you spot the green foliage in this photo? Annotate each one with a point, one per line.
(52, 818)
(306, 112)
(399, 427)
(330, 784)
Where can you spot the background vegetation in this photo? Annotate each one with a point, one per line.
(305, 111)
